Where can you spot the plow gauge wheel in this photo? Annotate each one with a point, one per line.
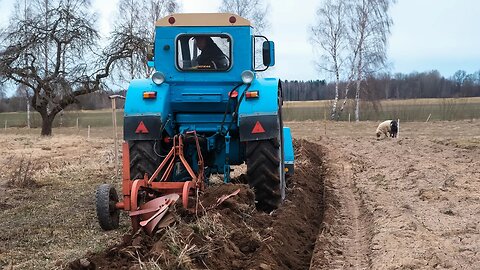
(108, 215)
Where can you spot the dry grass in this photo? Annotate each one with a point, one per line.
(183, 249)
(210, 226)
(93, 118)
(22, 174)
(408, 110)
(309, 103)
(47, 226)
(183, 244)
(179, 246)
(388, 102)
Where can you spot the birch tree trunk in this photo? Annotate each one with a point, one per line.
(359, 83)
(335, 101)
(357, 102)
(329, 36)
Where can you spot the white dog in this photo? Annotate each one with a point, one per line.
(389, 128)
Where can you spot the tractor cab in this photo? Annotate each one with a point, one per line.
(208, 47)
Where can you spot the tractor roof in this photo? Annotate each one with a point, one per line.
(203, 19)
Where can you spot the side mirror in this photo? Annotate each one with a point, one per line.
(268, 52)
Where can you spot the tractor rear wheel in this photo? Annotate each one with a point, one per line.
(144, 158)
(105, 199)
(264, 173)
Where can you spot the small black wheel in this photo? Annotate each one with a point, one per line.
(108, 215)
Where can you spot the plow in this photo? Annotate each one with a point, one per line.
(202, 111)
(148, 201)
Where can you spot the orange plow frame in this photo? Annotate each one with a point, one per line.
(131, 187)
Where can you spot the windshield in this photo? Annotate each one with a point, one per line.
(204, 52)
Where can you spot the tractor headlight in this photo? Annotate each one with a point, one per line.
(247, 76)
(158, 78)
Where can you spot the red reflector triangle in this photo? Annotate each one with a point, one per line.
(258, 128)
(141, 129)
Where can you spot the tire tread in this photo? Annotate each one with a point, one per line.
(263, 173)
(107, 219)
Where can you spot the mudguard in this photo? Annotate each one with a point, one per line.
(258, 117)
(288, 152)
(145, 119)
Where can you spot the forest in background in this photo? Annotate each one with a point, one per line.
(387, 86)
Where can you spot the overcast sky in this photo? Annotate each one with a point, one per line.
(427, 34)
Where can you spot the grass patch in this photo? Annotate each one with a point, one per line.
(97, 118)
(22, 174)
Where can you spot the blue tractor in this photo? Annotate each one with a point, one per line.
(203, 110)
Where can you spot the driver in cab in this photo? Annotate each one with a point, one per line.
(212, 56)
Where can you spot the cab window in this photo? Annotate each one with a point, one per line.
(204, 52)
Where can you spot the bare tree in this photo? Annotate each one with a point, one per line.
(329, 34)
(369, 28)
(254, 10)
(137, 19)
(70, 67)
(351, 60)
(352, 36)
(459, 76)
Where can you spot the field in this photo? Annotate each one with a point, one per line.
(355, 203)
(97, 118)
(418, 110)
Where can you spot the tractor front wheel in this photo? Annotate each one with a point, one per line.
(106, 199)
(264, 173)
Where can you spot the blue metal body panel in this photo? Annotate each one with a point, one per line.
(288, 146)
(200, 101)
(266, 103)
(261, 109)
(205, 123)
(288, 153)
(204, 96)
(136, 105)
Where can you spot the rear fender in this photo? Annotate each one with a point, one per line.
(288, 152)
(153, 113)
(258, 117)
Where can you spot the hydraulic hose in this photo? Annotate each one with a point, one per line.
(226, 109)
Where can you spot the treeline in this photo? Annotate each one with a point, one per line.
(305, 90)
(386, 86)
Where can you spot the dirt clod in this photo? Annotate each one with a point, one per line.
(82, 264)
